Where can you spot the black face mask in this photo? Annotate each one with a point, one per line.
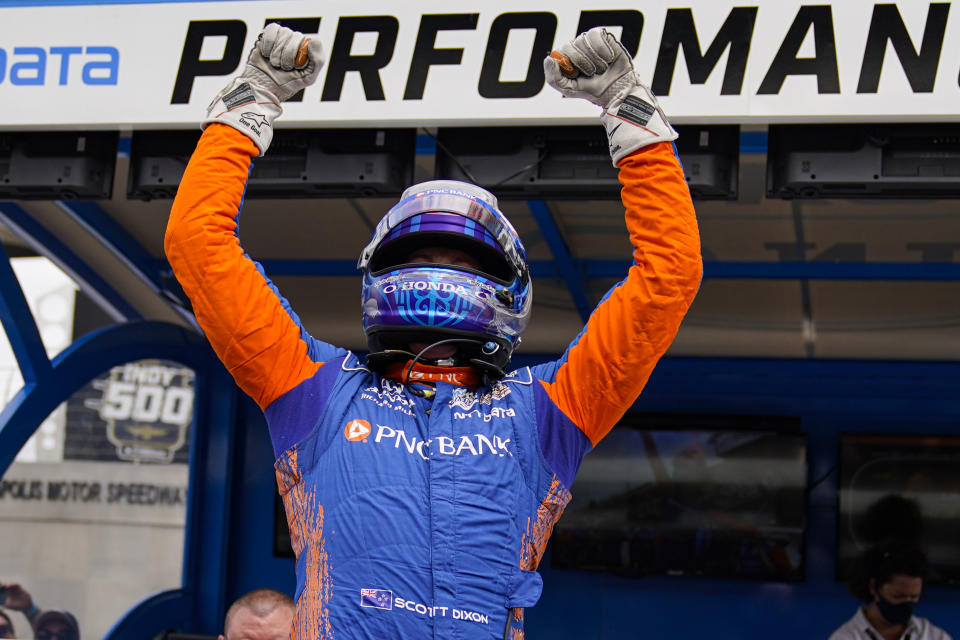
(896, 613)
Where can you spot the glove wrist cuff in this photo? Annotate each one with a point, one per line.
(248, 109)
(633, 120)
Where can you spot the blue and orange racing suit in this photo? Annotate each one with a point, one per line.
(414, 517)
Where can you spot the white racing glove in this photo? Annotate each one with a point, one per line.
(605, 76)
(281, 63)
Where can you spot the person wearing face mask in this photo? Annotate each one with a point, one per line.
(889, 579)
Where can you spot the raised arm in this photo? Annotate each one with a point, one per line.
(605, 368)
(249, 324)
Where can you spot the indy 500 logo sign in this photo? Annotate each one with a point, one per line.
(147, 407)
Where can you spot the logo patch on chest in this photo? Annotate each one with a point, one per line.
(466, 399)
(357, 430)
(389, 395)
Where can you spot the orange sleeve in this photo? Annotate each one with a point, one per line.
(603, 372)
(241, 314)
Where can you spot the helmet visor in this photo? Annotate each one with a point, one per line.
(442, 299)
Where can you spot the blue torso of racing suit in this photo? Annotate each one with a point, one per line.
(437, 510)
(414, 517)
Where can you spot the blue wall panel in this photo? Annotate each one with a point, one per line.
(252, 521)
(830, 398)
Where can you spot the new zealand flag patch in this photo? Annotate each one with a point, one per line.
(635, 110)
(376, 599)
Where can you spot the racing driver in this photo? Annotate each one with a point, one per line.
(421, 483)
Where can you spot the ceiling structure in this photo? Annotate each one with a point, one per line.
(802, 278)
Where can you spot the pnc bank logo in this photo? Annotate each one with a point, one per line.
(357, 430)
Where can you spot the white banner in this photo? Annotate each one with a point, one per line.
(436, 63)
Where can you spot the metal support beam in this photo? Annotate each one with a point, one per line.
(282, 267)
(46, 244)
(756, 270)
(115, 239)
(569, 270)
(925, 271)
(21, 327)
(85, 359)
(212, 467)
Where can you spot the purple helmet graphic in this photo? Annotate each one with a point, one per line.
(487, 306)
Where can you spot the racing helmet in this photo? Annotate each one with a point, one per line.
(484, 308)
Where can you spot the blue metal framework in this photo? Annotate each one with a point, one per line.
(96, 221)
(121, 244)
(20, 328)
(830, 397)
(749, 270)
(574, 272)
(204, 559)
(45, 243)
(48, 383)
(567, 268)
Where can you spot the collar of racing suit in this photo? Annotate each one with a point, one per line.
(425, 373)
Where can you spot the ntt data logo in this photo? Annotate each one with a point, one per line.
(357, 430)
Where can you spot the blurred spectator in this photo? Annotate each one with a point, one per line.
(889, 579)
(47, 625)
(891, 517)
(6, 626)
(17, 598)
(263, 614)
(56, 624)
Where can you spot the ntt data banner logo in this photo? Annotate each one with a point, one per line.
(59, 65)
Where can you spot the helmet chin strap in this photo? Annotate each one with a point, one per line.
(490, 370)
(483, 366)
